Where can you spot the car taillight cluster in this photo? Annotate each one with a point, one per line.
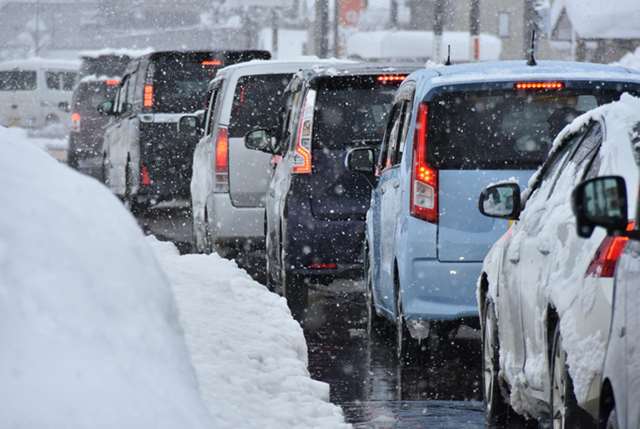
(147, 100)
(222, 161)
(538, 85)
(76, 120)
(606, 257)
(391, 78)
(424, 179)
(302, 156)
(113, 82)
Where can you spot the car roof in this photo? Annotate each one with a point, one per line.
(499, 71)
(358, 69)
(40, 63)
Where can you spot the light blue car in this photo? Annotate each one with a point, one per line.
(452, 131)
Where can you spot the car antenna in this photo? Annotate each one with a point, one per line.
(448, 63)
(532, 60)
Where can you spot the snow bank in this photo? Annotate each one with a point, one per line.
(630, 60)
(88, 324)
(249, 353)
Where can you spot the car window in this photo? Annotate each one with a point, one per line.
(18, 80)
(406, 124)
(213, 98)
(122, 95)
(60, 81)
(391, 136)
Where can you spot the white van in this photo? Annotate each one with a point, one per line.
(36, 93)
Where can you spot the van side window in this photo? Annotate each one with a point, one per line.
(60, 81)
(121, 98)
(390, 135)
(211, 109)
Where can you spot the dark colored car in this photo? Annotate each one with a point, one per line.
(316, 208)
(145, 158)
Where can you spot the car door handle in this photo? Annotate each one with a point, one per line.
(396, 183)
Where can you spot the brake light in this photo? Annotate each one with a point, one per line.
(148, 96)
(212, 63)
(75, 122)
(222, 161)
(606, 257)
(323, 266)
(146, 180)
(539, 85)
(302, 155)
(424, 179)
(395, 78)
(113, 82)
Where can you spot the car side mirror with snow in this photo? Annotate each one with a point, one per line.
(601, 201)
(500, 201)
(261, 140)
(362, 160)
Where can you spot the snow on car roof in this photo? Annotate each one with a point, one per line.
(40, 63)
(132, 53)
(101, 78)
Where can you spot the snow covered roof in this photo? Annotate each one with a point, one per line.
(40, 63)
(600, 19)
(132, 53)
(419, 44)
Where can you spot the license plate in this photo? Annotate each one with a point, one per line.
(14, 122)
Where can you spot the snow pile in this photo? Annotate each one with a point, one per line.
(250, 355)
(630, 60)
(88, 324)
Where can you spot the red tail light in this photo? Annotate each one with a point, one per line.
(394, 78)
(302, 156)
(539, 85)
(147, 100)
(75, 122)
(113, 82)
(146, 180)
(424, 179)
(222, 161)
(212, 63)
(606, 257)
(323, 266)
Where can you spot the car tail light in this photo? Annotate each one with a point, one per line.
(75, 122)
(222, 161)
(147, 100)
(323, 266)
(113, 82)
(146, 180)
(212, 63)
(302, 155)
(393, 78)
(606, 257)
(538, 85)
(424, 179)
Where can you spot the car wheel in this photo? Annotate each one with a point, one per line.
(495, 408)
(565, 412)
(375, 324)
(403, 338)
(612, 421)
(130, 200)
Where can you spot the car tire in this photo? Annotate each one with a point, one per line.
(376, 325)
(612, 421)
(403, 338)
(130, 200)
(565, 412)
(496, 409)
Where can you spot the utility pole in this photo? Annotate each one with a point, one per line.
(438, 26)
(474, 30)
(393, 19)
(529, 27)
(322, 28)
(274, 32)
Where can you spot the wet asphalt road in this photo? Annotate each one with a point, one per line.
(443, 390)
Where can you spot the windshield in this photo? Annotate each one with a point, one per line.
(90, 94)
(256, 102)
(502, 129)
(351, 111)
(17, 80)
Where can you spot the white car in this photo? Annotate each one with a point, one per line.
(229, 182)
(545, 293)
(37, 93)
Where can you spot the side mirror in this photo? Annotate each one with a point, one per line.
(64, 106)
(106, 108)
(362, 160)
(190, 126)
(260, 140)
(601, 201)
(500, 201)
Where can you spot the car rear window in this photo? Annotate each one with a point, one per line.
(180, 82)
(256, 102)
(90, 94)
(351, 111)
(502, 129)
(17, 80)
(105, 65)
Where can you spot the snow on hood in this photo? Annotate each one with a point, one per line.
(249, 353)
(88, 324)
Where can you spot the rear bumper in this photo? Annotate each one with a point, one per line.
(232, 226)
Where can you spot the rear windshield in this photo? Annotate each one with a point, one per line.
(351, 111)
(105, 65)
(17, 80)
(90, 94)
(180, 83)
(256, 102)
(502, 129)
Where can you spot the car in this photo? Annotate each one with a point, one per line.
(611, 202)
(145, 159)
(451, 131)
(546, 287)
(36, 93)
(87, 125)
(315, 208)
(228, 200)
